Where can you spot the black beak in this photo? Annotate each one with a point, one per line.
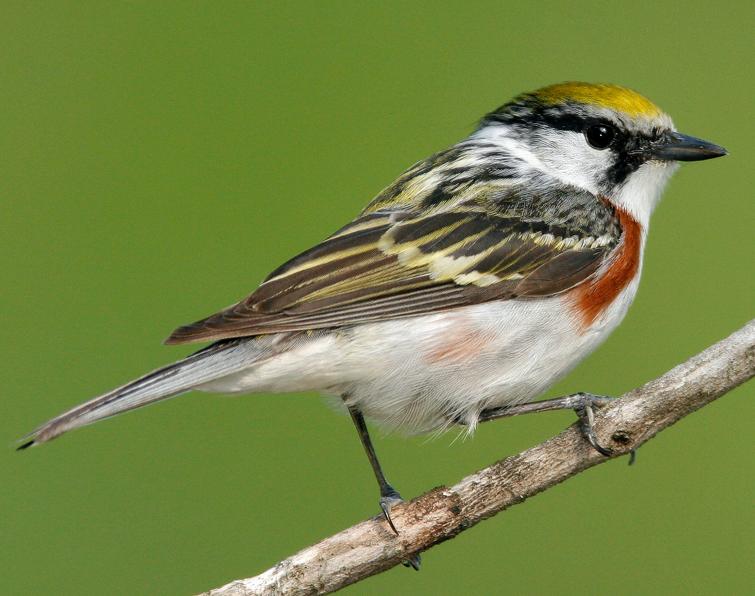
(674, 146)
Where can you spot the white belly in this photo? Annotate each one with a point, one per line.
(423, 373)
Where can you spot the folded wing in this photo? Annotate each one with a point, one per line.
(388, 264)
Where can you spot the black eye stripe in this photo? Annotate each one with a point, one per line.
(540, 116)
(562, 122)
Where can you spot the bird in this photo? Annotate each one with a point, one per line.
(463, 291)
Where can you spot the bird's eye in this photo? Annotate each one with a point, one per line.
(600, 136)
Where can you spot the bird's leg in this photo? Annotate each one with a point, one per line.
(389, 496)
(583, 404)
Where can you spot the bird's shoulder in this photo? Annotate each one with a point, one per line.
(493, 178)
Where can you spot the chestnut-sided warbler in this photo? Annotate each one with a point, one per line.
(467, 287)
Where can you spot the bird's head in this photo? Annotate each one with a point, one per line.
(607, 139)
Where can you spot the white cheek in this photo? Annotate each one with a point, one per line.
(502, 135)
(642, 189)
(571, 160)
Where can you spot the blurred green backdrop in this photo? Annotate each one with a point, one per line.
(158, 159)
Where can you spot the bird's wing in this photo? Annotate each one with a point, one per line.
(392, 263)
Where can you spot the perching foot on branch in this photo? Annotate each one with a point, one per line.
(582, 403)
(387, 501)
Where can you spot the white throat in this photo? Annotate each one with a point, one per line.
(641, 191)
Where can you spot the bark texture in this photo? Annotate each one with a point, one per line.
(370, 547)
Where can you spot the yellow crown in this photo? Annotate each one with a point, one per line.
(603, 95)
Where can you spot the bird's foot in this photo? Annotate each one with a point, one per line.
(585, 405)
(388, 500)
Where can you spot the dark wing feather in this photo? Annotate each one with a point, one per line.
(392, 264)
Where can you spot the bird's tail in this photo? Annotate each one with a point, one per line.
(213, 362)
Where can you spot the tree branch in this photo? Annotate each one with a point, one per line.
(370, 547)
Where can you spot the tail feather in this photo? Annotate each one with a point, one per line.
(213, 362)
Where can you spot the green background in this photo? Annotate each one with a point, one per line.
(158, 159)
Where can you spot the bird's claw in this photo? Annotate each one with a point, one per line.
(589, 434)
(386, 504)
(414, 562)
(387, 501)
(586, 412)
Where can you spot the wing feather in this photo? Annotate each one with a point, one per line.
(404, 262)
